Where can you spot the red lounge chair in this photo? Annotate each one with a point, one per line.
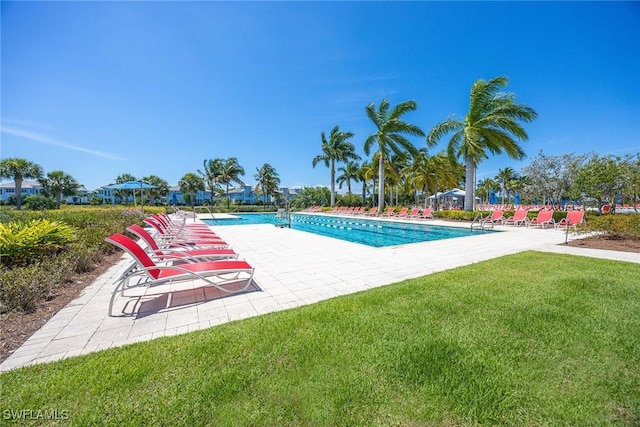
(167, 236)
(426, 214)
(180, 226)
(222, 275)
(544, 218)
(495, 216)
(403, 213)
(184, 253)
(372, 211)
(415, 213)
(572, 219)
(389, 212)
(518, 218)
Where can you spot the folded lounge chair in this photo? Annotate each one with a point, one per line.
(544, 218)
(222, 275)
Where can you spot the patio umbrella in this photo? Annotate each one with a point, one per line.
(133, 185)
(516, 198)
(493, 199)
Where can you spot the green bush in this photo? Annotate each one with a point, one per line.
(22, 288)
(22, 242)
(617, 225)
(38, 202)
(458, 215)
(25, 283)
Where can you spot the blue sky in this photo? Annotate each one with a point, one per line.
(98, 89)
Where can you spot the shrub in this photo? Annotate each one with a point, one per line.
(38, 202)
(25, 283)
(620, 225)
(22, 242)
(22, 288)
(457, 215)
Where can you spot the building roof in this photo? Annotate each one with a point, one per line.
(25, 184)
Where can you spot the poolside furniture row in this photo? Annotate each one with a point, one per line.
(405, 212)
(173, 251)
(543, 219)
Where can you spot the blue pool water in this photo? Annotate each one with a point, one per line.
(357, 230)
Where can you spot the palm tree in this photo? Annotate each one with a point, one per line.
(211, 174)
(505, 177)
(336, 149)
(230, 171)
(190, 184)
(161, 187)
(485, 186)
(389, 136)
(268, 181)
(430, 173)
(393, 174)
(58, 184)
(366, 172)
(492, 124)
(349, 173)
(19, 169)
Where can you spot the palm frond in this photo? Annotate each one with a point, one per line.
(442, 129)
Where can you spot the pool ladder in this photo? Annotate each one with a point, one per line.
(482, 224)
(284, 215)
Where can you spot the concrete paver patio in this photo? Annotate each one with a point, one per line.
(293, 268)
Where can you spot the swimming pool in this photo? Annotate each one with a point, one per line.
(358, 230)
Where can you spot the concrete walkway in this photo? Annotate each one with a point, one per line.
(293, 268)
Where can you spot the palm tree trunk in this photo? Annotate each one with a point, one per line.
(58, 197)
(228, 200)
(18, 183)
(333, 183)
(469, 183)
(381, 184)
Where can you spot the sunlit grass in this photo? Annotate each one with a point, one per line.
(528, 339)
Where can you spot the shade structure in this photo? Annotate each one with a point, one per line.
(133, 185)
(454, 192)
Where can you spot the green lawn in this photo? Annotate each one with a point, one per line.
(528, 339)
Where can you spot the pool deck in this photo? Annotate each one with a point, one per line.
(292, 269)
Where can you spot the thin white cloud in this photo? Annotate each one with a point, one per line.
(33, 136)
(25, 123)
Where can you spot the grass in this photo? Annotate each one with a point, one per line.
(527, 339)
